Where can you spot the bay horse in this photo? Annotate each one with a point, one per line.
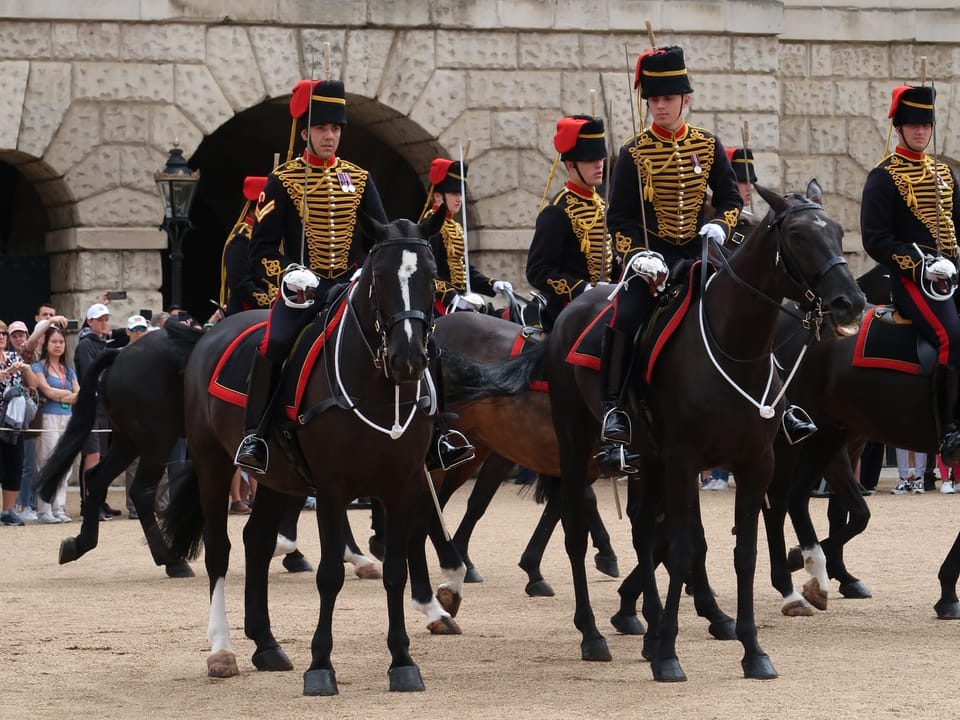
(361, 431)
(713, 396)
(850, 403)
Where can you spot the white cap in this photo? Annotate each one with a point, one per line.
(97, 310)
(135, 321)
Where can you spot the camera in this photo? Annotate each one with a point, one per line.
(147, 314)
(116, 295)
(72, 325)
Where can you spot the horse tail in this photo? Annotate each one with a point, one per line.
(82, 417)
(182, 521)
(465, 381)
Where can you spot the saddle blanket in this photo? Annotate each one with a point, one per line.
(886, 343)
(520, 344)
(229, 379)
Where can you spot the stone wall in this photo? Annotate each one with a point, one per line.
(94, 93)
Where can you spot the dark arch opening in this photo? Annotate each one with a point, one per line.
(245, 145)
(24, 266)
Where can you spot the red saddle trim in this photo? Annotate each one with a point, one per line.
(517, 348)
(671, 326)
(311, 359)
(861, 360)
(222, 392)
(583, 359)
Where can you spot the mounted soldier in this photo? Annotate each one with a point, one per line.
(238, 290)
(306, 240)
(657, 217)
(447, 187)
(570, 251)
(908, 223)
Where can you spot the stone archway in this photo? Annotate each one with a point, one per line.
(392, 147)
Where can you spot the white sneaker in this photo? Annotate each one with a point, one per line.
(947, 488)
(47, 518)
(918, 488)
(716, 484)
(62, 516)
(902, 487)
(27, 514)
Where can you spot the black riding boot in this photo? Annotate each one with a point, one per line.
(613, 457)
(950, 447)
(797, 425)
(253, 453)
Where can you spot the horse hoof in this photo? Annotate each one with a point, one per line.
(627, 624)
(797, 608)
(814, 594)
(368, 572)
(68, 550)
(472, 576)
(607, 564)
(725, 629)
(668, 670)
(449, 600)
(179, 570)
(795, 559)
(444, 626)
(947, 610)
(222, 664)
(320, 682)
(295, 562)
(539, 588)
(377, 548)
(855, 590)
(758, 667)
(595, 650)
(406, 678)
(272, 659)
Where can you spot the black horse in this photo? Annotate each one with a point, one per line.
(142, 389)
(362, 432)
(718, 356)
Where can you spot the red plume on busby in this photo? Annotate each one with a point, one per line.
(912, 105)
(445, 175)
(742, 161)
(580, 137)
(328, 101)
(661, 71)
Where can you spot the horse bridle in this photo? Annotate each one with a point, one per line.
(384, 326)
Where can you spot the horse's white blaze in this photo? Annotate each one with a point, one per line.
(816, 564)
(432, 610)
(453, 579)
(819, 221)
(218, 630)
(408, 266)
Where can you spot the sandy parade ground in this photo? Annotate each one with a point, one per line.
(111, 637)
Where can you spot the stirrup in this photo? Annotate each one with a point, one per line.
(616, 426)
(613, 461)
(247, 456)
(456, 455)
(799, 427)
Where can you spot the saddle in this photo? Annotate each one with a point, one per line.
(889, 341)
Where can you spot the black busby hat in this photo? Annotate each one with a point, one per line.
(660, 71)
(742, 161)
(580, 137)
(322, 101)
(912, 105)
(446, 176)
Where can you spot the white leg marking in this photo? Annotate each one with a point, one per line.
(432, 610)
(284, 545)
(453, 579)
(218, 630)
(815, 563)
(357, 560)
(793, 597)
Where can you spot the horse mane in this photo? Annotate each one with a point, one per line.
(465, 380)
(183, 337)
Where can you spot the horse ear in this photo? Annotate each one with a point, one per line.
(431, 226)
(777, 203)
(370, 227)
(814, 192)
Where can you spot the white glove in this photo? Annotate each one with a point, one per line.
(712, 231)
(459, 302)
(651, 266)
(940, 268)
(502, 286)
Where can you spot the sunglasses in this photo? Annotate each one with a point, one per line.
(4, 332)
(138, 329)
